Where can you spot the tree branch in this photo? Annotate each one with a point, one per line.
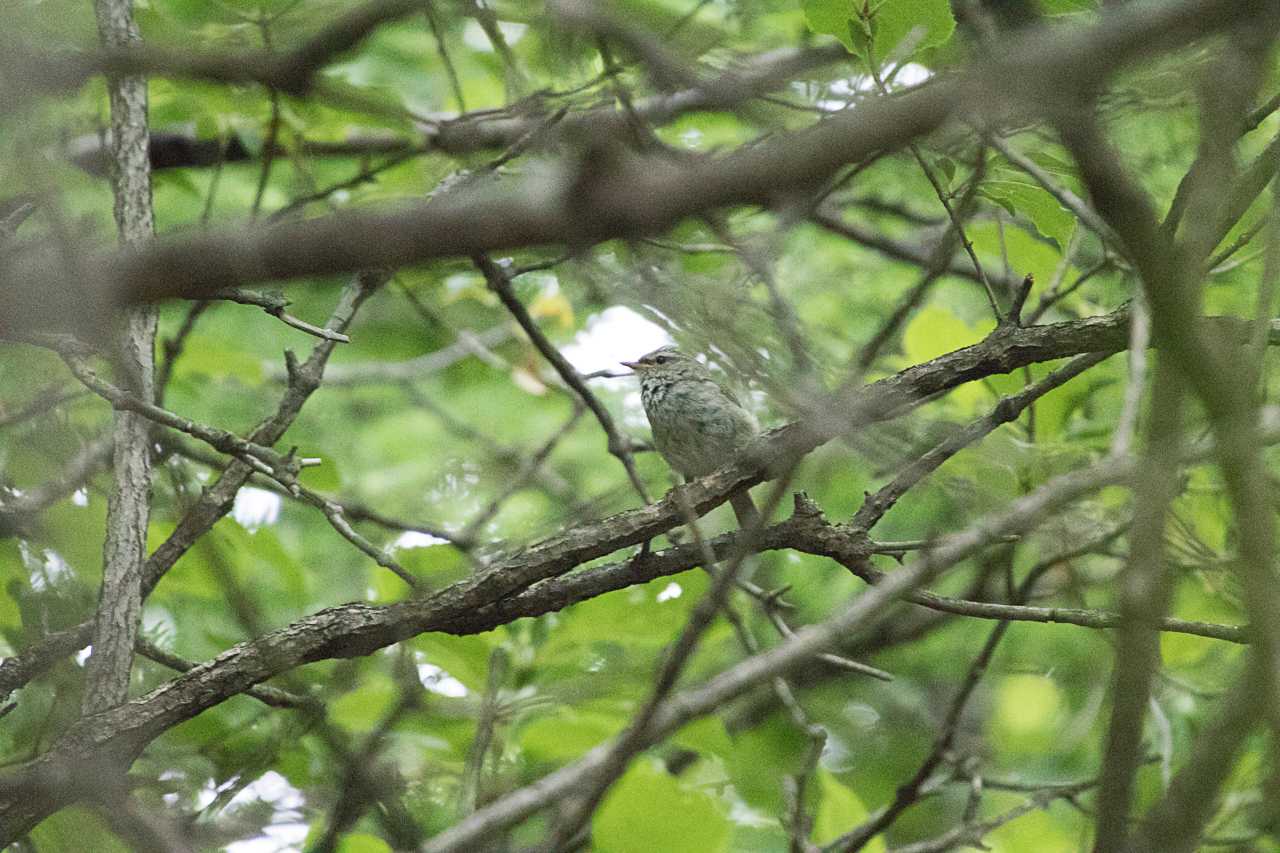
(632, 196)
(129, 508)
(618, 446)
(358, 629)
(215, 501)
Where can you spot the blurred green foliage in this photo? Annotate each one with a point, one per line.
(438, 447)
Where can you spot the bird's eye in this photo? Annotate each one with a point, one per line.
(661, 359)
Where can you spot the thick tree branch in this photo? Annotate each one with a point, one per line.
(1170, 282)
(359, 629)
(129, 508)
(628, 197)
(999, 353)
(733, 682)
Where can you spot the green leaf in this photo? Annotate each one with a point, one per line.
(325, 477)
(929, 23)
(360, 710)
(385, 585)
(11, 571)
(209, 357)
(71, 828)
(1027, 253)
(569, 732)
(948, 167)
(1028, 713)
(839, 811)
(934, 331)
(648, 809)
(177, 179)
(74, 534)
(362, 842)
(762, 757)
(706, 735)
(831, 17)
(1042, 831)
(464, 658)
(441, 564)
(1051, 219)
(635, 615)
(1067, 7)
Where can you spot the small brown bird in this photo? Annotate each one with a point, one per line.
(698, 425)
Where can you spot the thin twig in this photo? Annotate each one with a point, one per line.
(43, 400)
(621, 448)
(364, 176)
(1006, 410)
(267, 695)
(1065, 197)
(260, 457)
(521, 477)
(442, 48)
(945, 199)
(274, 304)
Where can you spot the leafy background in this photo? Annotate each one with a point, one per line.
(437, 448)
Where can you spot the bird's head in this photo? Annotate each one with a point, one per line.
(665, 361)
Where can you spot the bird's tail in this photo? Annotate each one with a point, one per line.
(745, 509)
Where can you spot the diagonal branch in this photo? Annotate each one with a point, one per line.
(1005, 411)
(619, 447)
(215, 501)
(1023, 513)
(1170, 281)
(1000, 353)
(359, 629)
(633, 196)
(263, 458)
(1145, 591)
(274, 304)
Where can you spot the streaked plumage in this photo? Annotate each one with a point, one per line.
(698, 425)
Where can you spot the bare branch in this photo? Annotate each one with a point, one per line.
(468, 343)
(1006, 410)
(1171, 285)
(274, 304)
(1001, 353)
(1146, 587)
(294, 72)
(807, 642)
(618, 446)
(634, 196)
(214, 502)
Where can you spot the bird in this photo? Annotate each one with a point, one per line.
(698, 425)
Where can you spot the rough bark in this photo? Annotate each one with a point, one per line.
(128, 510)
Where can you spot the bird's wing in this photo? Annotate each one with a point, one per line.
(747, 418)
(725, 390)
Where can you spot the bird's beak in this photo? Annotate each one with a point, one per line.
(634, 365)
